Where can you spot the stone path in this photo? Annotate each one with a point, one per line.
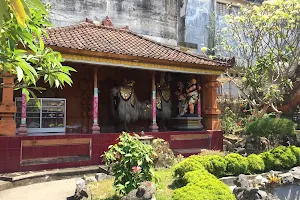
(54, 190)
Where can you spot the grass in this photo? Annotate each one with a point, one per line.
(163, 178)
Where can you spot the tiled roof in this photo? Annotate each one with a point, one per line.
(98, 38)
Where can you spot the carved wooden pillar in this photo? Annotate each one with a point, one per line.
(7, 108)
(95, 128)
(23, 125)
(153, 125)
(211, 112)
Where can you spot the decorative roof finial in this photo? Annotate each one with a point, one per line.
(107, 22)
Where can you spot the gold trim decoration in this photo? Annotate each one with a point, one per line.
(131, 64)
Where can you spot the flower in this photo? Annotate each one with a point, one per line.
(204, 49)
(239, 124)
(136, 169)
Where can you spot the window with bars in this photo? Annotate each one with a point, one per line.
(50, 116)
(225, 9)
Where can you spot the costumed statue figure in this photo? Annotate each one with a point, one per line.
(182, 100)
(192, 95)
(125, 106)
(163, 98)
(127, 109)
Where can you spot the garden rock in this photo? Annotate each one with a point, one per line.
(100, 176)
(242, 181)
(89, 179)
(286, 178)
(295, 172)
(228, 145)
(251, 145)
(144, 192)
(81, 192)
(245, 191)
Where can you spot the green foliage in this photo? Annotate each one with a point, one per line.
(22, 50)
(279, 158)
(229, 122)
(296, 151)
(270, 126)
(201, 185)
(235, 114)
(237, 164)
(268, 159)
(212, 163)
(131, 162)
(284, 158)
(187, 165)
(264, 39)
(218, 165)
(165, 156)
(256, 164)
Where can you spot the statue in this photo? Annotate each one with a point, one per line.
(192, 95)
(182, 100)
(126, 107)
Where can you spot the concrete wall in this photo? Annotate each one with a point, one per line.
(197, 16)
(155, 18)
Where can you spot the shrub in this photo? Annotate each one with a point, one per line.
(165, 156)
(201, 185)
(237, 164)
(270, 126)
(296, 152)
(218, 165)
(214, 164)
(284, 158)
(131, 163)
(187, 165)
(256, 164)
(268, 159)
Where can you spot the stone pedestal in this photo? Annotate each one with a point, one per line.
(147, 139)
(188, 123)
(23, 129)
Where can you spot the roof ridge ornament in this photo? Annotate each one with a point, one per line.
(107, 22)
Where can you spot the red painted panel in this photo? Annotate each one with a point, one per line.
(2, 166)
(2, 155)
(63, 150)
(217, 140)
(39, 152)
(14, 143)
(3, 142)
(10, 148)
(27, 153)
(50, 151)
(190, 144)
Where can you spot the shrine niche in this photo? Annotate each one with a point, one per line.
(127, 109)
(188, 97)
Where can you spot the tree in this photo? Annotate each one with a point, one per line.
(22, 50)
(266, 39)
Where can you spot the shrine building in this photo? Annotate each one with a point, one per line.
(73, 126)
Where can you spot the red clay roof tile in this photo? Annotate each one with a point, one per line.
(88, 36)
